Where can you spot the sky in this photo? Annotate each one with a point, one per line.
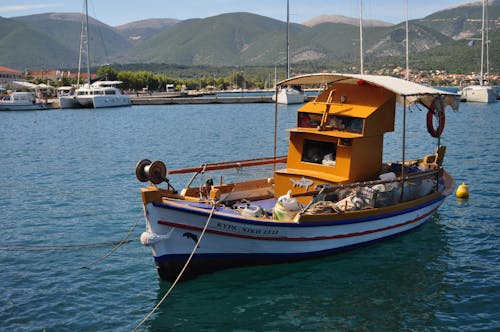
(117, 12)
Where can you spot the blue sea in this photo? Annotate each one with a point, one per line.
(68, 194)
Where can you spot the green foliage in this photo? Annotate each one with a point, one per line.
(108, 72)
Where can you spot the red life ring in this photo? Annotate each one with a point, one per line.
(440, 115)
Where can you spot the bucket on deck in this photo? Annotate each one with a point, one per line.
(286, 207)
(252, 211)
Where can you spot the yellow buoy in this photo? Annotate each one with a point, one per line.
(462, 191)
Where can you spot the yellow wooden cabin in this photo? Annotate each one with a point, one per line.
(339, 138)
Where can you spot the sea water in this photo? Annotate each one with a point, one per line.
(68, 194)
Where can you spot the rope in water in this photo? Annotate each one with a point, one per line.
(180, 273)
(123, 241)
(62, 247)
(117, 245)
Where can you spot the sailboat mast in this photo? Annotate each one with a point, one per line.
(487, 28)
(361, 36)
(287, 38)
(407, 46)
(482, 43)
(82, 32)
(87, 39)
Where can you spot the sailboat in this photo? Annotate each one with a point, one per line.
(481, 93)
(292, 94)
(94, 95)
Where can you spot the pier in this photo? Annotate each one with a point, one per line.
(201, 100)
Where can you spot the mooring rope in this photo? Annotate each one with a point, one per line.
(123, 241)
(62, 247)
(180, 273)
(117, 245)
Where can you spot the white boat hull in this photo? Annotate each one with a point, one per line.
(232, 240)
(111, 101)
(22, 107)
(479, 94)
(290, 96)
(21, 101)
(102, 101)
(68, 102)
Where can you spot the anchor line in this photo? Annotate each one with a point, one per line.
(118, 245)
(214, 205)
(61, 247)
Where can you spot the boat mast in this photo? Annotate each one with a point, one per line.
(87, 40)
(482, 44)
(82, 32)
(487, 28)
(361, 36)
(287, 38)
(407, 46)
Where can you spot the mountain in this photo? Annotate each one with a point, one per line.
(25, 47)
(463, 21)
(225, 39)
(346, 20)
(65, 28)
(139, 31)
(391, 41)
(243, 39)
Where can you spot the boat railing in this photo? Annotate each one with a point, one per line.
(238, 164)
(230, 164)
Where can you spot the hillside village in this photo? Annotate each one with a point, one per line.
(57, 78)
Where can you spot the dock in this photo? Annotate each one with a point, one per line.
(191, 98)
(201, 100)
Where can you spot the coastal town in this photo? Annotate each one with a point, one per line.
(56, 78)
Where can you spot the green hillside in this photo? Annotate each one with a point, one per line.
(217, 40)
(462, 21)
(138, 31)
(23, 47)
(65, 28)
(438, 41)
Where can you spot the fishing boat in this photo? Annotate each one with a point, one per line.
(21, 101)
(332, 192)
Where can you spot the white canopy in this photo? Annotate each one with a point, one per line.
(405, 90)
(106, 83)
(25, 84)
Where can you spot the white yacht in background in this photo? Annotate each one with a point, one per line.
(66, 96)
(289, 94)
(102, 94)
(482, 93)
(21, 101)
(94, 95)
(479, 94)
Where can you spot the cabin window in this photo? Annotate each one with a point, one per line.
(319, 152)
(335, 122)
